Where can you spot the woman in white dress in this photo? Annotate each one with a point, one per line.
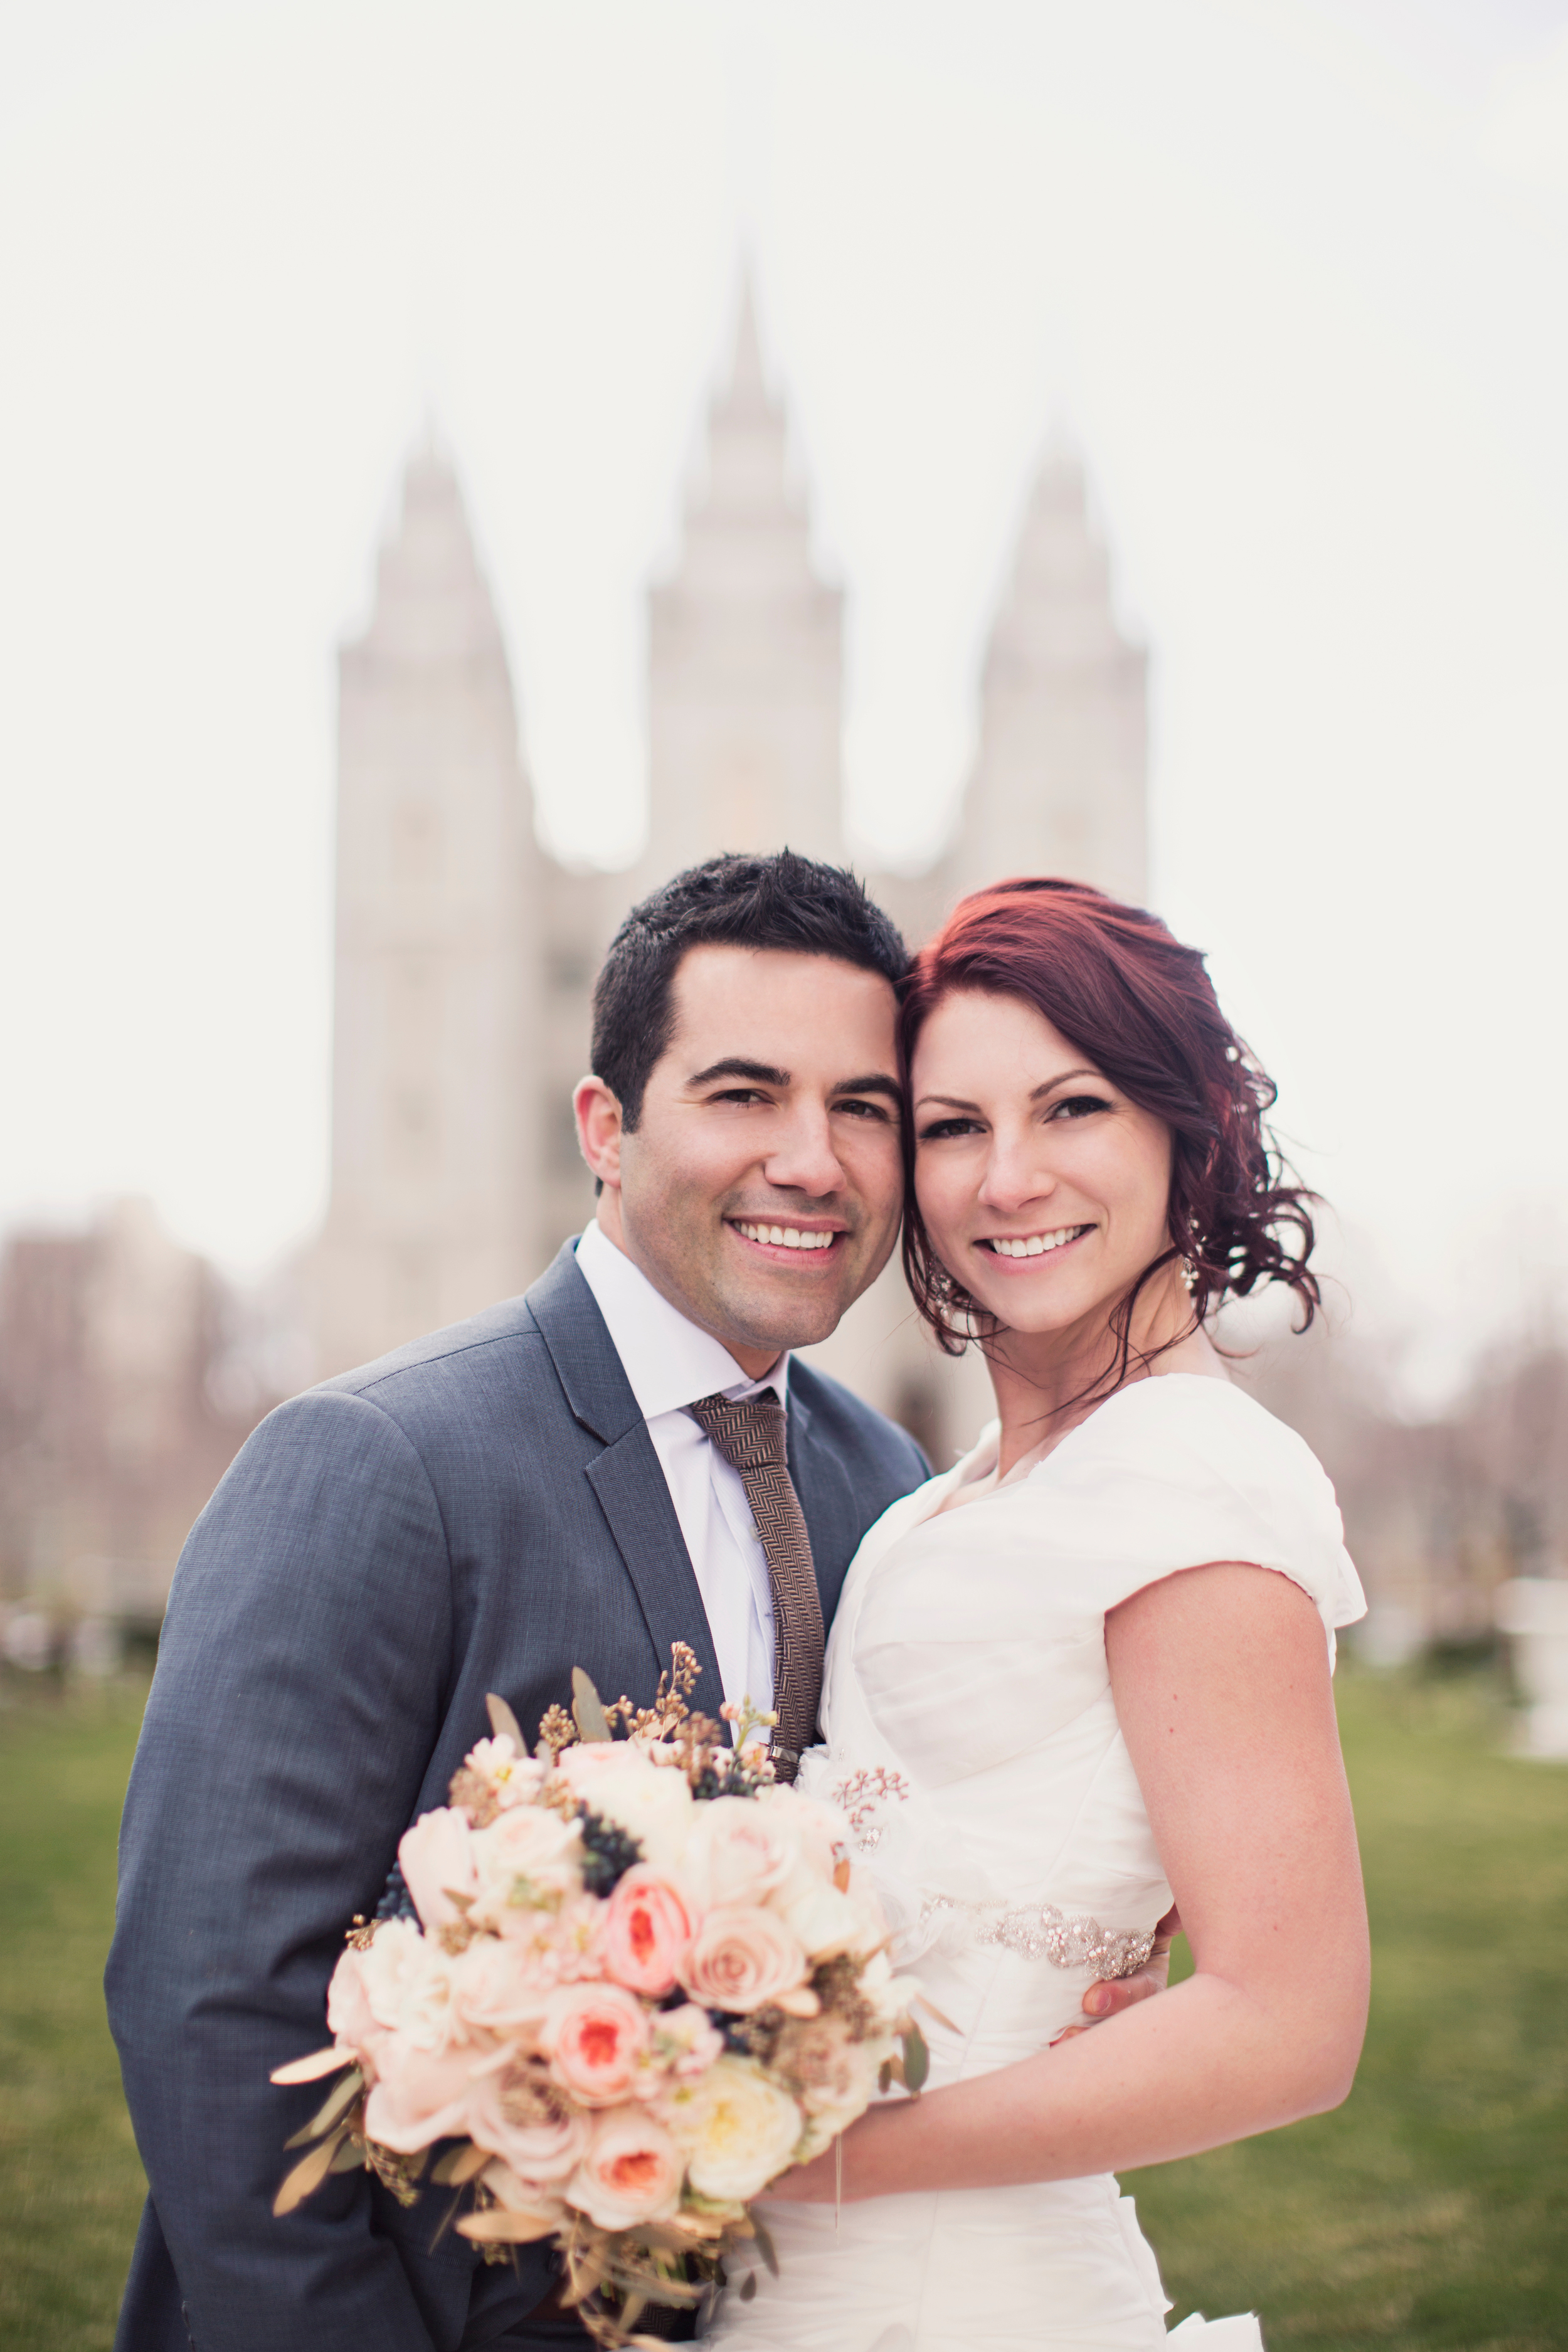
(1083, 1674)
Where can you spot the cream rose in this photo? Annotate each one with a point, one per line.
(739, 1850)
(594, 2036)
(436, 1858)
(652, 1802)
(631, 2173)
(511, 1778)
(739, 1959)
(408, 1986)
(528, 1856)
(828, 1923)
(497, 1989)
(737, 2128)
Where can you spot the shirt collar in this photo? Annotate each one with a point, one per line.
(668, 1361)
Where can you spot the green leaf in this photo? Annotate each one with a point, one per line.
(342, 2098)
(504, 1723)
(459, 2165)
(764, 2245)
(308, 2174)
(587, 1710)
(351, 2156)
(917, 2059)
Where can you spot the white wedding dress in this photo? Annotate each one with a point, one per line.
(973, 1745)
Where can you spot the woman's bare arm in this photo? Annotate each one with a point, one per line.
(1223, 1691)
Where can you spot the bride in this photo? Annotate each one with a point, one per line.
(1085, 1672)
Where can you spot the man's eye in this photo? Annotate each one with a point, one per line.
(858, 1110)
(1079, 1107)
(739, 1095)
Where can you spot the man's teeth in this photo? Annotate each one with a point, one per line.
(1037, 1244)
(787, 1237)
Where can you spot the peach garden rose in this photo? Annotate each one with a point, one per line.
(594, 2036)
(741, 1958)
(647, 1930)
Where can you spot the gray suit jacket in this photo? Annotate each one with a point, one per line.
(480, 1511)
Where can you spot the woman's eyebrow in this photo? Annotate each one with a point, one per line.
(1045, 1086)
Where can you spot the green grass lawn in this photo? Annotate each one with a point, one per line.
(1430, 2212)
(1431, 2209)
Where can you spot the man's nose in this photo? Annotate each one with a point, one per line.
(803, 1159)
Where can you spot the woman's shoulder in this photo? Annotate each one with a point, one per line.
(1182, 1469)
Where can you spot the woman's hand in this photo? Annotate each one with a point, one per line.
(1110, 1998)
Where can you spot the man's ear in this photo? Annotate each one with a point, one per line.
(598, 1114)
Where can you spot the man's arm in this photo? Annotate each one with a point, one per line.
(296, 1706)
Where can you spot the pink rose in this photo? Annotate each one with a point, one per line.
(684, 2044)
(518, 2113)
(740, 1959)
(348, 2014)
(436, 1858)
(631, 2173)
(646, 1929)
(419, 2095)
(495, 1989)
(594, 2036)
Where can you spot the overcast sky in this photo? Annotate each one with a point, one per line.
(1295, 274)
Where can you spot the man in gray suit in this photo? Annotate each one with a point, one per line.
(624, 1458)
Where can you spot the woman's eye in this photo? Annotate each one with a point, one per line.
(1079, 1107)
(940, 1129)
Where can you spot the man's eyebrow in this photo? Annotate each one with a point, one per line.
(760, 1074)
(763, 1073)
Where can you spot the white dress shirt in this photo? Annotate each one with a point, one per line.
(670, 1363)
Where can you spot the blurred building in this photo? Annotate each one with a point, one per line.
(465, 956)
(125, 1388)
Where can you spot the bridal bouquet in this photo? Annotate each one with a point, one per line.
(622, 1983)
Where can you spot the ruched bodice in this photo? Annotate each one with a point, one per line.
(972, 1747)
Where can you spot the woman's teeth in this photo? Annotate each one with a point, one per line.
(787, 1237)
(1036, 1245)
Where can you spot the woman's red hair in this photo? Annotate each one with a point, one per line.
(1133, 1001)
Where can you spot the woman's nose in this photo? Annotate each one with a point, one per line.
(1013, 1178)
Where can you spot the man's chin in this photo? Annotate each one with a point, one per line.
(767, 1316)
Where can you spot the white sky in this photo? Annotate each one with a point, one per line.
(1297, 274)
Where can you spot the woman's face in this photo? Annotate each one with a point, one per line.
(1042, 1189)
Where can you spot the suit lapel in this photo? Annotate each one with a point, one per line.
(626, 1477)
(633, 1495)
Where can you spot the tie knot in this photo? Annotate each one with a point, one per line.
(749, 1431)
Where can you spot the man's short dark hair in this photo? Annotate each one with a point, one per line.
(782, 901)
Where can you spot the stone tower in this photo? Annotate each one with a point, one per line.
(1060, 783)
(437, 982)
(745, 650)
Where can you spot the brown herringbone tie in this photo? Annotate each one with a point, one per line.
(751, 1436)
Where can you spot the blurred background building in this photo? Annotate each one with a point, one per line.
(464, 962)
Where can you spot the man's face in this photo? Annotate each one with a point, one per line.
(761, 1189)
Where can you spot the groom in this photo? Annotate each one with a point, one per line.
(624, 1458)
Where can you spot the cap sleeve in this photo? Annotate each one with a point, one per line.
(1177, 1471)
